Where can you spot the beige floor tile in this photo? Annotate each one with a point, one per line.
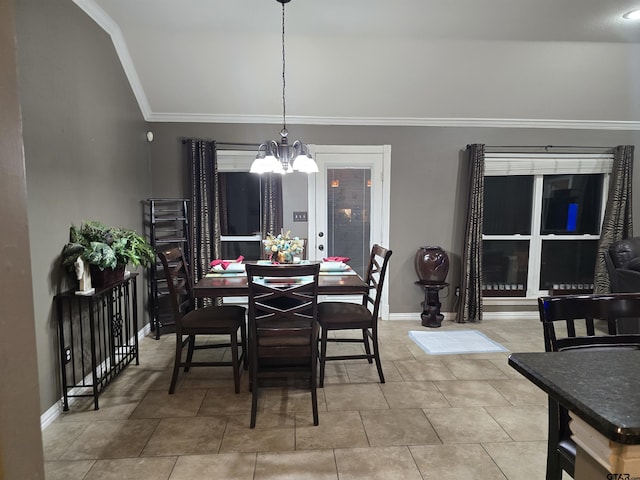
(136, 378)
(474, 369)
(270, 420)
(67, 470)
(522, 423)
(470, 393)
(225, 402)
(290, 400)
(186, 436)
(423, 370)
(57, 437)
(114, 404)
(158, 468)
(391, 351)
(228, 466)
(368, 373)
(508, 370)
(335, 430)
(159, 404)
(363, 396)
(241, 438)
(377, 463)
(112, 439)
(305, 465)
(335, 372)
(413, 395)
(520, 392)
(465, 425)
(455, 462)
(514, 458)
(398, 427)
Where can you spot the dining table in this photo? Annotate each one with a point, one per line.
(234, 284)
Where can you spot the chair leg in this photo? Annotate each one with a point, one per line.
(254, 395)
(554, 471)
(365, 340)
(243, 339)
(314, 393)
(323, 355)
(234, 361)
(192, 344)
(176, 363)
(376, 353)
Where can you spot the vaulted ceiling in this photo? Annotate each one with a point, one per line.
(399, 62)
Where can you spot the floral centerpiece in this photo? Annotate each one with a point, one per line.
(282, 248)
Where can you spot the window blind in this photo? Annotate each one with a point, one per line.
(546, 164)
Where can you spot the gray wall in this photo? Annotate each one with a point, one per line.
(85, 150)
(20, 440)
(428, 179)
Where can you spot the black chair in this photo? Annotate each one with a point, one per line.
(334, 316)
(569, 323)
(283, 331)
(622, 259)
(189, 321)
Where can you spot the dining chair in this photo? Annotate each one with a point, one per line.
(209, 320)
(570, 323)
(283, 332)
(341, 316)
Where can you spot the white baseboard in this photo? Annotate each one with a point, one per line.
(415, 316)
(53, 412)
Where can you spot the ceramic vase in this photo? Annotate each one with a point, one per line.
(432, 264)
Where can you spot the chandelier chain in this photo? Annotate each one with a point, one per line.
(284, 107)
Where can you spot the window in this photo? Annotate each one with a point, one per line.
(542, 217)
(241, 227)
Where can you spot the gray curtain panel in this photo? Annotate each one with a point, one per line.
(470, 309)
(205, 211)
(618, 215)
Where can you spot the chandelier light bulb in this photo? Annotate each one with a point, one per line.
(632, 15)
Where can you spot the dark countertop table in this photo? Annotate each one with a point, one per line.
(600, 387)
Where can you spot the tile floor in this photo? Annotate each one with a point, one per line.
(436, 417)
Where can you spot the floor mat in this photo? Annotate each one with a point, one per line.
(460, 341)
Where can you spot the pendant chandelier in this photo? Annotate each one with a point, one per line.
(281, 157)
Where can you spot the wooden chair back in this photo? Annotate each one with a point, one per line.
(569, 321)
(179, 282)
(375, 277)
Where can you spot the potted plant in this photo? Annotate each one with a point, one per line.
(107, 250)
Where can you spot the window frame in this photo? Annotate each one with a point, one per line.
(539, 165)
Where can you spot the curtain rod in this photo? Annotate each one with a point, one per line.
(515, 148)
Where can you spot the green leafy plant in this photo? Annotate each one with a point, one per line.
(106, 247)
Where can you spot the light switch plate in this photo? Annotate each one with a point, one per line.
(299, 216)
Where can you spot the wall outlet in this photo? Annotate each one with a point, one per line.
(299, 216)
(67, 355)
(457, 291)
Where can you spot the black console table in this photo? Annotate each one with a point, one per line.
(431, 316)
(98, 337)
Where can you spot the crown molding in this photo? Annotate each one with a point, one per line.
(98, 15)
(400, 121)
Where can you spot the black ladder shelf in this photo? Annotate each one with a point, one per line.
(167, 226)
